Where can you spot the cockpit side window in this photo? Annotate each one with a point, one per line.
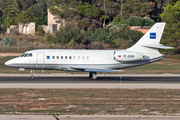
(23, 54)
(30, 55)
(26, 55)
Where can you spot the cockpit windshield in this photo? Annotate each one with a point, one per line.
(26, 55)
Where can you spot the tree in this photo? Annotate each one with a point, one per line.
(10, 13)
(24, 17)
(69, 34)
(39, 11)
(172, 2)
(134, 8)
(87, 14)
(109, 10)
(63, 9)
(121, 34)
(139, 21)
(25, 4)
(171, 16)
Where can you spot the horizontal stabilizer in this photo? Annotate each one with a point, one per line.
(93, 70)
(157, 46)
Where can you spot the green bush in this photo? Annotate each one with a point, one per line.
(117, 34)
(40, 31)
(140, 21)
(2, 28)
(99, 35)
(123, 33)
(48, 39)
(70, 32)
(176, 56)
(88, 10)
(136, 21)
(8, 42)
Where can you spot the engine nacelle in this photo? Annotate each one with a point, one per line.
(126, 56)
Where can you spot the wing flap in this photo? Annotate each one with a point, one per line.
(99, 70)
(93, 69)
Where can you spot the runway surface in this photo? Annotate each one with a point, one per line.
(87, 117)
(83, 78)
(82, 81)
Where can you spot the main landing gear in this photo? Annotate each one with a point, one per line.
(93, 75)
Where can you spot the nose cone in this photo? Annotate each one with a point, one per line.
(8, 63)
(11, 62)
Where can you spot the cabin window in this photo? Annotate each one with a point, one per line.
(65, 57)
(61, 57)
(53, 57)
(74, 57)
(57, 57)
(83, 57)
(78, 57)
(70, 57)
(87, 57)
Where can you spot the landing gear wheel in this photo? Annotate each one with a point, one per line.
(32, 77)
(94, 77)
(90, 75)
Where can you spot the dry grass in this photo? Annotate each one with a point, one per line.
(90, 101)
(28, 42)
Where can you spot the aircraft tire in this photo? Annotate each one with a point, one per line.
(32, 77)
(94, 77)
(90, 75)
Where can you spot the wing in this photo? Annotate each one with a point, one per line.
(93, 70)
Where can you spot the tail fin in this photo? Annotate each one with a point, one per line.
(149, 43)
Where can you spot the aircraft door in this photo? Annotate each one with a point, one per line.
(40, 60)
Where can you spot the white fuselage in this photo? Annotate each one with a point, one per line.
(79, 60)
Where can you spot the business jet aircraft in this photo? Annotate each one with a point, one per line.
(143, 52)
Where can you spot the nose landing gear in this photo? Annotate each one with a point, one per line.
(93, 75)
(32, 77)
